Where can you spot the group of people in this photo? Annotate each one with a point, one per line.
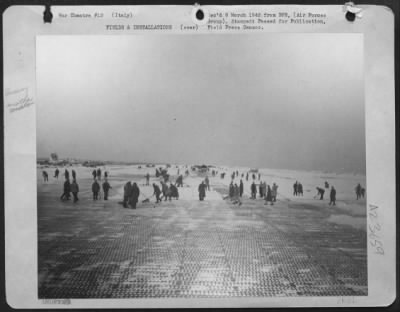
(236, 191)
(168, 190)
(45, 174)
(360, 191)
(265, 191)
(73, 187)
(297, 189)
(96, 189)
(131, 195)
(70, 188)
(321, 192)
(97, 174)
(202, 190)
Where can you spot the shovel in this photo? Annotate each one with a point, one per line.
(147, 200)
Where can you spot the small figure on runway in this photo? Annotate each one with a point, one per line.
(134, 195)
(95, 190)
(106, 188)
(67, 189)
(75, 190)
(127, 193)
(268, 197)
(157, 192)
(241, 188)
(320, 192)
(45, 176)
(274, 191)
(333, 196)
(202, 191)
(253, 190)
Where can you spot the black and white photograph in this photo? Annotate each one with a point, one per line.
(199, 156)
(201, 166)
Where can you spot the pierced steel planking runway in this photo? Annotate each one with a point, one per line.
(193, 249)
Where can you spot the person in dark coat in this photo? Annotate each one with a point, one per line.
(268, 197)
(320, 192)
(253, 189)
(274, 191)
(207, 181)
(75, 190)
(179, 181)
(134, 195)
(94, 174)
(99, 173)
(241, 188)
(73, 175)
(106, 188)
(300, 189)
(45, 176)
(247, 176)
(202, 190)
(105, 174)
(362, 192)
(295, 188)
(168, 192)
(358, 190)
(164, 189)
(166, 177)
(260, 189)
(56, 173)
(95, 190)
(231, 190)
(66, 174)
(147, 179)
(157, 192)
(127, 193)
(333, 196)
(236, 194)
(174, 193)
(67, 189)
(326, 184)
(254, 176)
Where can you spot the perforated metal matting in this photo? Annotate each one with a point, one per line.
(193, 249)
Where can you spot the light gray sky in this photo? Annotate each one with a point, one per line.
(293, 101)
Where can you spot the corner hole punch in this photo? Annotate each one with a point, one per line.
(350, 16)
(47, 15)
(200, 14)
(352, 11)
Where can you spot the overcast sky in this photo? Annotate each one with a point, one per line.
(293, 101)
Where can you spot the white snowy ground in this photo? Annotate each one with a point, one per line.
(349, 211)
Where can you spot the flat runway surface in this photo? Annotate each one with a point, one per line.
(190, 249)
